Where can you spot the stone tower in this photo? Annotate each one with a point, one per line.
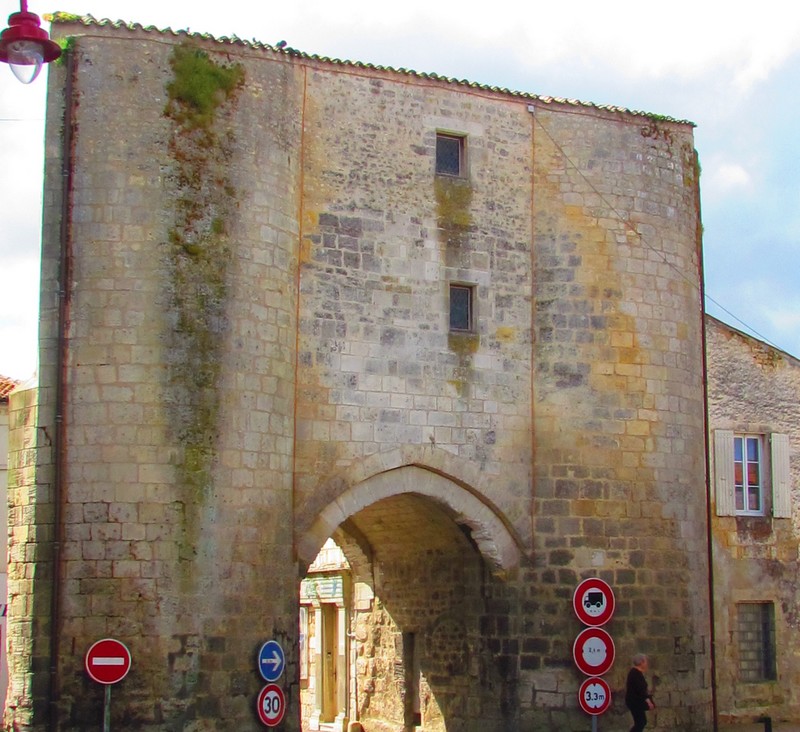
(286, 298)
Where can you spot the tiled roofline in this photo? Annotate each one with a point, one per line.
(90, 21)
(7, 385)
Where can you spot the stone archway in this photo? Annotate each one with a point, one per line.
(425, 604)
(491, 533)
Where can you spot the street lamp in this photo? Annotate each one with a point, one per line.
(24, 46)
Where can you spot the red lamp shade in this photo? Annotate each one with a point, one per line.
(25, 46)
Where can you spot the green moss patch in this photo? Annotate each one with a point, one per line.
(199, 86)
(201, 98)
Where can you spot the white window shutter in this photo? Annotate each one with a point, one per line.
(781, 477)
(723, 473)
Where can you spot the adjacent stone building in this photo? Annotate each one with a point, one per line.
(7, 385)
(754, 422)
(455, 328)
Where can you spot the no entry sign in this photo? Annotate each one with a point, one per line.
(593, 602)
(594, 696)
(593, 651)
(271, 705)
(107, 661)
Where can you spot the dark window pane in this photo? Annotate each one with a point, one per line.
(752, 448)
(737, 449)
(460, 308)
(756, 635)
(448, 155)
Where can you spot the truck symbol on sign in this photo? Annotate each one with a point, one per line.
(594, 598)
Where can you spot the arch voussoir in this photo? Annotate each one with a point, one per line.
(492, 535)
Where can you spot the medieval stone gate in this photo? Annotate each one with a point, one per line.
(459, 329)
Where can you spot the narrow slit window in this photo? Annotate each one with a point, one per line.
(461, 308)
(450, 155)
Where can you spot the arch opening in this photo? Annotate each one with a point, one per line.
(403, 615)
(492, 535)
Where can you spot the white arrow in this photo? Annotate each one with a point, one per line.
(275, 661)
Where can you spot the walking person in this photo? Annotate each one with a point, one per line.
(637, 696)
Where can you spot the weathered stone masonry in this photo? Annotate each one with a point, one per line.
(753, 389)
(481, 475)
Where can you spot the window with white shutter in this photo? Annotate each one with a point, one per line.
(740, 480)
(723, 472)
(781, 477)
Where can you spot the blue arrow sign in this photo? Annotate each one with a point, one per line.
(271, 661)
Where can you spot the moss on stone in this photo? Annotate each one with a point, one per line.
(66, 44)
(200, 95)
(454, 221)
(463, 345)
(453, 213)
(199, 86)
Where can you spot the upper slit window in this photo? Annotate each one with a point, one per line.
(450, 155)
(461, 308)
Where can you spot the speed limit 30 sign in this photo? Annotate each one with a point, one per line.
(271, 705)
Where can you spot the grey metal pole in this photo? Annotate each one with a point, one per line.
(107, 710)
(594, 723)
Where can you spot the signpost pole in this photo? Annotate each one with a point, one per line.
(107, 662)
(594, 724)
(107, 709)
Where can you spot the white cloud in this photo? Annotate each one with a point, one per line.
(21, 155)
(720, 178)
(784, 321)
(771, 309)
(685, 38)
(19, 307)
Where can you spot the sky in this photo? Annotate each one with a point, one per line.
(732, 68)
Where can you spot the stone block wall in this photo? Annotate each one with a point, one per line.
(618, 407)
(383, 238)
(179, 406)
(753, 389)
(30, 554)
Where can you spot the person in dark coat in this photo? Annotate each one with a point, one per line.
(637, 696)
